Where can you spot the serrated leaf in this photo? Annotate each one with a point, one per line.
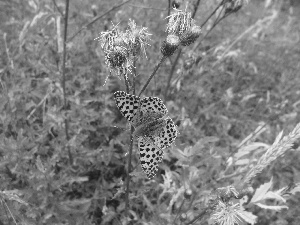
(296, 189)
(261, 191)
(274, 195)
(247, 216)
(272, 207)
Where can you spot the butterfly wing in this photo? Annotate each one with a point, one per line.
(153, 105)
(166, 136)
(150, 157)
(127, 104)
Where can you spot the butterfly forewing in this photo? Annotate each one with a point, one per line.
(153, 105)
(127, 104)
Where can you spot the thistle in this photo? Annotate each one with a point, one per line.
(179, 22)
(190, 36)
(170, 45)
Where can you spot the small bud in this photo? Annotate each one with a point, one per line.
(170, 45)
(183, 217)
(188, 193)
(190, 36)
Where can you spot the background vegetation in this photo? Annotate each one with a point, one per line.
(244, 74)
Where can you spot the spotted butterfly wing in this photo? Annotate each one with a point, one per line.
(127, 104)
(138, 111)
(155, 130)
(151, 148)
(167, 135)
(150, 157)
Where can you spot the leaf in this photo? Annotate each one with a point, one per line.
(274, 195)
(276, 208)
(296, 189)
(261, 191)
(247, 216)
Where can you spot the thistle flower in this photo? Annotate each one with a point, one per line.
(138, 38)
(190, 36)
(179, 22)
(170, 45)
(115, 46)
(227, 214)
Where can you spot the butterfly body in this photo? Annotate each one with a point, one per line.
(154, 130)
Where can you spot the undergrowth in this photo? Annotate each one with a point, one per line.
(67, 154)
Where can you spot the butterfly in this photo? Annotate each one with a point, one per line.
(154, 129)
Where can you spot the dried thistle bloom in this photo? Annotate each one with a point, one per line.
(227, 214)
(190, 36)
(116, 48)
(138, 38)
(170, 45)
(279, 147)
(179, 22)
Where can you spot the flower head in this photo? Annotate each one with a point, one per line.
(179, 22)
(138, 38)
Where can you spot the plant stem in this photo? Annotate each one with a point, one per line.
(130, 146)
(171, 74)
(162, 59)
(64, 77)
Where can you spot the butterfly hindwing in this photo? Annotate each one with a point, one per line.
(167, 135)
(127, 104)
(150, 157)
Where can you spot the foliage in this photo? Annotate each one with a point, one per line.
(65, 147)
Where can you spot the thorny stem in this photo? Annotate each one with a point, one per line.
(179, 210)
(64, 77)
(95, 19)
(169, 7)
(130, 146)
(128, 172)
(213, 13)
(172, 73)
(58, 9)
(153, 73)
(196, 8)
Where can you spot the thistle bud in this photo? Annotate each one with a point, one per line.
(188, 193)
(183, 217)
(170, 45)
(190, 36)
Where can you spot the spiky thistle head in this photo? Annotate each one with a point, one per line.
(190, 36)
(227, 214)
(115, 45)
(170, 45)
(179, 22)
(138, 38)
